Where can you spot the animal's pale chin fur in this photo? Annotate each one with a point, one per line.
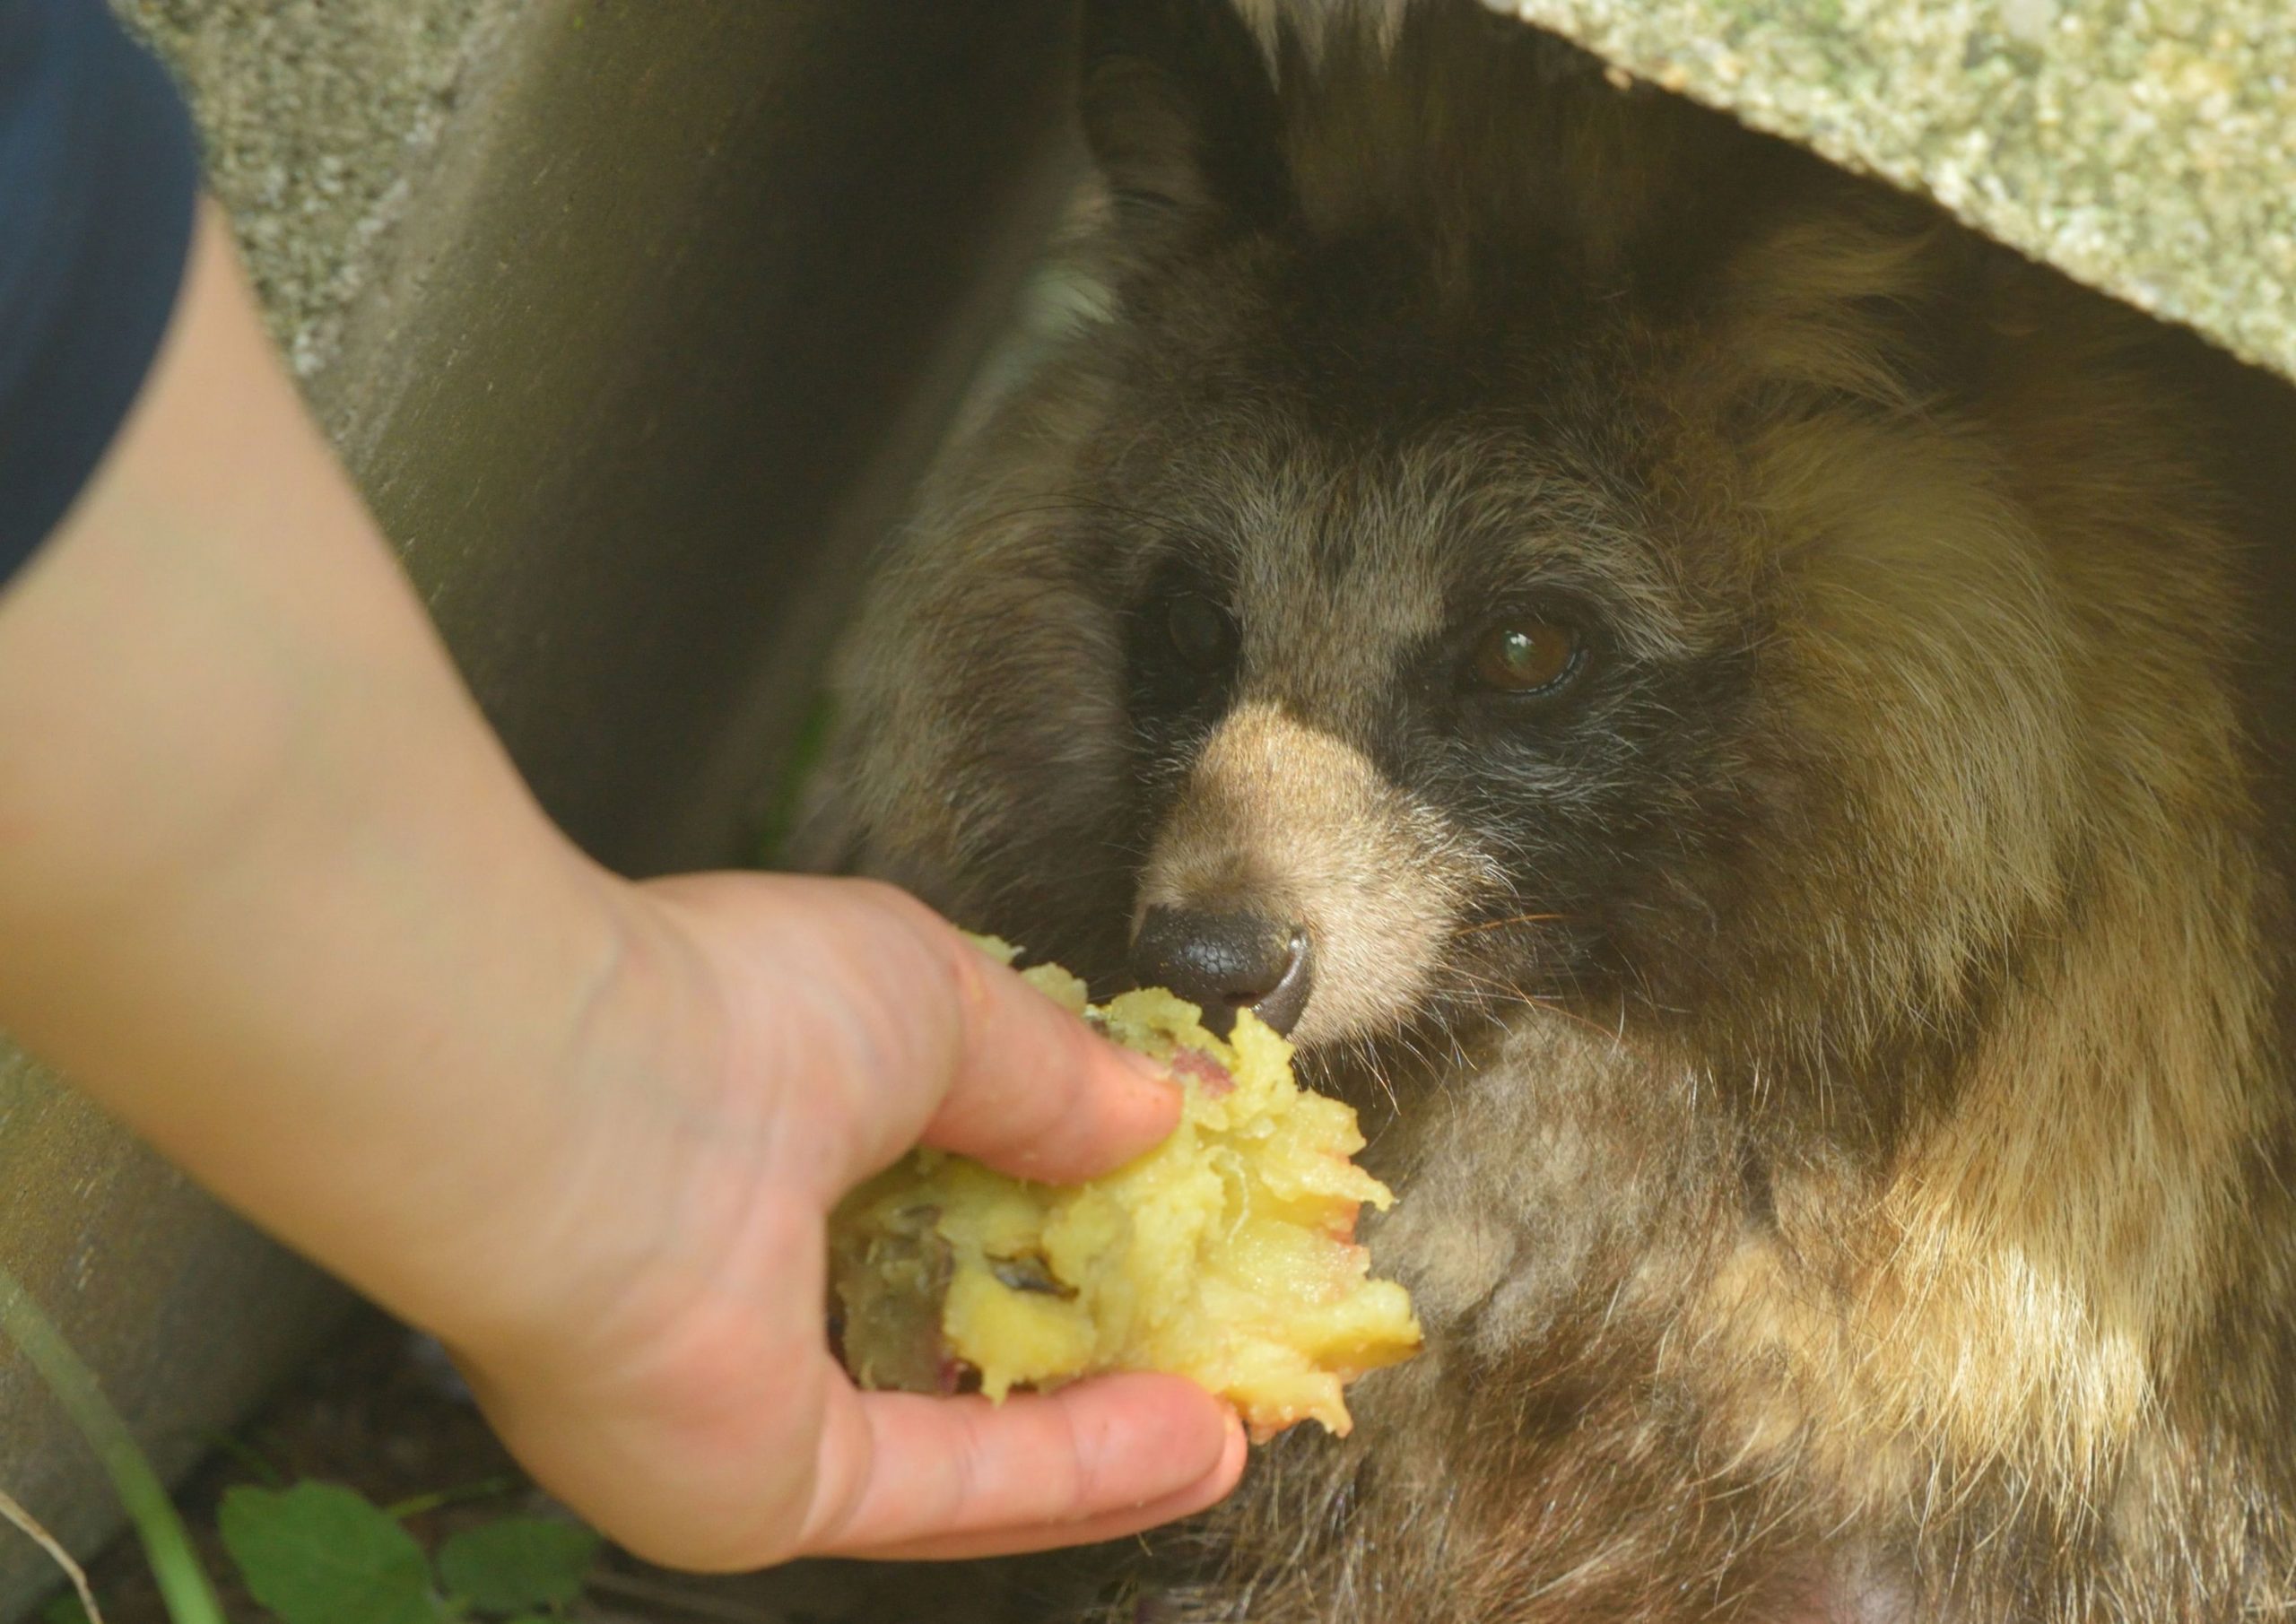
(1832, 1049)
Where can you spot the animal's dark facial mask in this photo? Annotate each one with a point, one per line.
(1737, 688)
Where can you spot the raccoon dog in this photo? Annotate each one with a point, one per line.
(1717, 708)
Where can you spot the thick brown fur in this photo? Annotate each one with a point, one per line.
(1832, 1056)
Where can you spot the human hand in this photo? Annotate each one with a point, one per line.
(285, 909)
(766, 1044)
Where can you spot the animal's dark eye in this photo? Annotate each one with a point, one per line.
(1526, 655)
(1200, 631)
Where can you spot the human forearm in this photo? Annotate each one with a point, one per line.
(225, 730)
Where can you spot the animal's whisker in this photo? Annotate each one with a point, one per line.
(1492, 924)
(1491, 987)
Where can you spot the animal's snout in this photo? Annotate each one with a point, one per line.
(1226, 963)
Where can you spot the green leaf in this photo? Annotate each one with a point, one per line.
(517, 1564)
(322, 1554)
(64, 1610)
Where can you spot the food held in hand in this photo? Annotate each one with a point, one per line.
(1226, 1255)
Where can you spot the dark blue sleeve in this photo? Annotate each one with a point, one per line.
(98, 175)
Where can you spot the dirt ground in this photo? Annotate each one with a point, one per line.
(379, 1411)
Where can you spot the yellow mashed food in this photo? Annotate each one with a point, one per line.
(1226, 1255)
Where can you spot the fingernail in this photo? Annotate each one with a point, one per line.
(1144, 1065)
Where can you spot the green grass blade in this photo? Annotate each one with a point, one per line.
(183, 1583)
(462, 1494)
(807, 751)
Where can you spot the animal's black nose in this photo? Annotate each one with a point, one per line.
(1226, 963)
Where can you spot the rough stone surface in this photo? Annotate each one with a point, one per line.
(318, 115)
(2147, 147)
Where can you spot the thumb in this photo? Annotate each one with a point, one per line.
(861, 994)
(1034, 1091)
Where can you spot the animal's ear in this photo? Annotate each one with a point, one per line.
(1871, 298)
(1180, 111)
